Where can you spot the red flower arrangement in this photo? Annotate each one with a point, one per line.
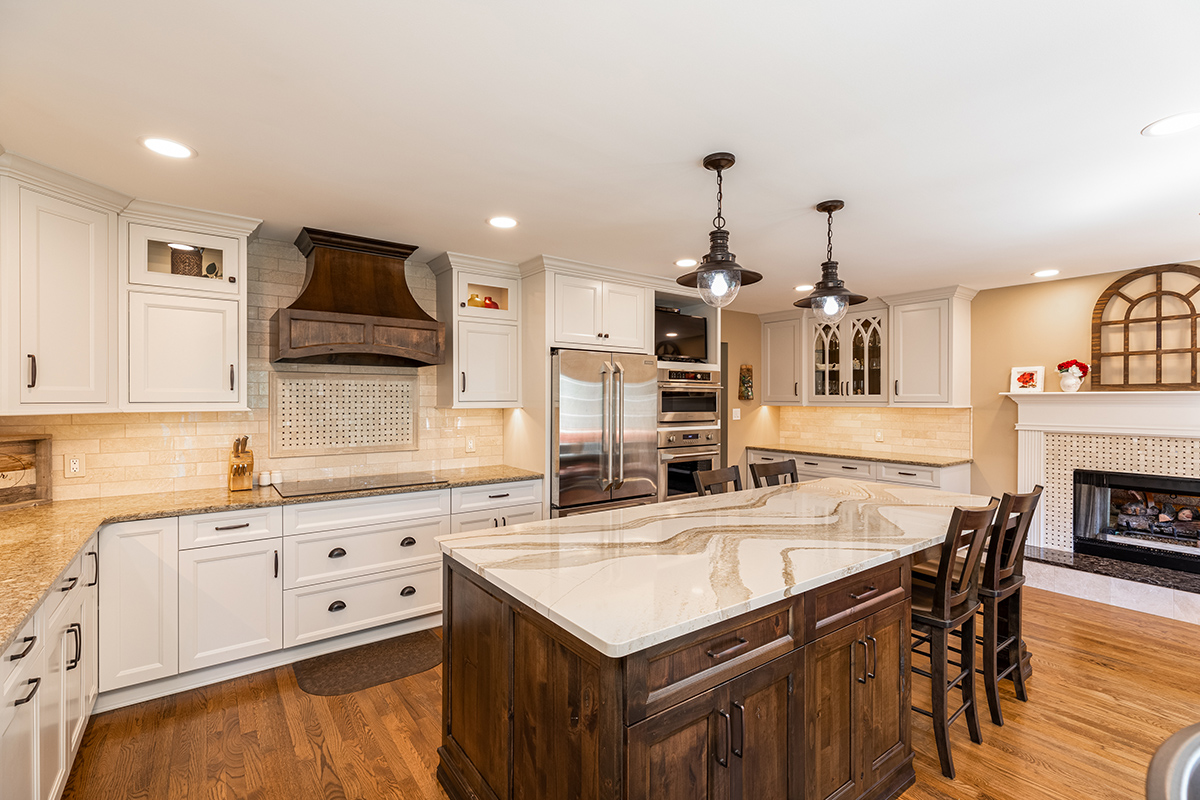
(1076, 368)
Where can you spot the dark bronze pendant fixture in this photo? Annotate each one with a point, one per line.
(719, 276)
(830, 298)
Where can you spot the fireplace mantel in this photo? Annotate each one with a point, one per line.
(1166, 419)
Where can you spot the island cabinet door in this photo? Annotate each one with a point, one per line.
(767, 730)
(833, 666)
(886, 706)
(682, 753)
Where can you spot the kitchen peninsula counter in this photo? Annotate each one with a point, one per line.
(642, 642)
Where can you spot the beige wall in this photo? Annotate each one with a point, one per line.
(759, 424)
(929, 431)
(1033, 324)
(142, 453)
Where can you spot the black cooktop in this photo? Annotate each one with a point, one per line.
(335, 485)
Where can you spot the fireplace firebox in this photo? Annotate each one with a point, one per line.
(1145, 519)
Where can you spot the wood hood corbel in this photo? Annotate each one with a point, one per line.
(355, 307)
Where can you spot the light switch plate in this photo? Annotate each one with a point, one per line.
(470, 444)
(879, 436)
(737, 413)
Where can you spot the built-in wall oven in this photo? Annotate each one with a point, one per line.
(682, 451)
(686, 396)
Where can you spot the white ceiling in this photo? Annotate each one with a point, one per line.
(972, 142)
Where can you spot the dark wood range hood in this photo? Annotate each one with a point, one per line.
(355, 307)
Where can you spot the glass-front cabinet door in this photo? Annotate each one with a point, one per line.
(184, 260)
(866, 357)
(827, 361)
(850, 359)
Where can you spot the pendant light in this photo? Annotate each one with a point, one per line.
(718, 276)
(830, 298)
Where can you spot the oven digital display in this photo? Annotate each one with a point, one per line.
(690, 436)
(682, 375)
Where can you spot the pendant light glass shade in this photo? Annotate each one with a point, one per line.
(830, 298)
(718, 276)
(829, 310)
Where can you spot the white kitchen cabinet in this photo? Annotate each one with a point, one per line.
(488, 357)
(174, 258)
(931, 347)
(848, 360)
(953, 478)
(139, 602)
(184, 350)
(67, 292)
(780, 380)
(230, 602)
(90, 623)
(325, 556)
(494, 519)
(19, 730)
(600, 314)
(479, 300)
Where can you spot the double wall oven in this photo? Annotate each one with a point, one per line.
(689, 429)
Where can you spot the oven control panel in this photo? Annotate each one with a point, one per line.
(685, 437)
(687, 376)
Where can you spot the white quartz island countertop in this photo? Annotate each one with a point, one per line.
(628, 579)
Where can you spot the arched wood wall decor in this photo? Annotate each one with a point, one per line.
(1144, 331)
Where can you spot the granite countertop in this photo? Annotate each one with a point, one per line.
(37, 543)
(627, 579)
(915, 459)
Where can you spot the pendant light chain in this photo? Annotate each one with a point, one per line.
(829, 249)
(719, 219)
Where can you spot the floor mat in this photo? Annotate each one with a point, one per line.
(369, 664)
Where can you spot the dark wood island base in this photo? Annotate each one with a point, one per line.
(805, 699)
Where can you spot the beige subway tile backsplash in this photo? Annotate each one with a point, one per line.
(932, 431)
(150, 452)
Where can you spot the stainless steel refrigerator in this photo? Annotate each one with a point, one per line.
(605, 431)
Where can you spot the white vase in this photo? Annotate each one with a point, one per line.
(1068, 382)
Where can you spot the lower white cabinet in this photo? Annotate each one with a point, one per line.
(495, 518)
(230, 602)
(954, 478)
(19, 734)
(52, 710)
(183, 349)
(313, 558)
(139, 602)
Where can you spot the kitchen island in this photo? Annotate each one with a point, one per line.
(746, 645)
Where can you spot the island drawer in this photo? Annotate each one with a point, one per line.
(839, 604)
(677, 670)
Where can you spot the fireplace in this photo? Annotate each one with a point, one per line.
(1146, 519)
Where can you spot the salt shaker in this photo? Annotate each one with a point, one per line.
(264, 478)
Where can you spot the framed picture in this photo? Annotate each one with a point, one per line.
(1027, 379)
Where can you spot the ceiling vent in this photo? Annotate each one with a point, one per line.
(355, 307)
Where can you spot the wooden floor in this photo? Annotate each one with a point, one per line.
(1109, 685)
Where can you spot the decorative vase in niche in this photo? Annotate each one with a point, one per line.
(490, 303)
(1068, 382)
(474, 301)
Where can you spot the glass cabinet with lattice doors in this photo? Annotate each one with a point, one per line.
(849, 359)
(1144, 331)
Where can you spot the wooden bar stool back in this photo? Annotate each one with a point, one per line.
(1000, 594)
(716, 481)
(946, 606)
(773, 473)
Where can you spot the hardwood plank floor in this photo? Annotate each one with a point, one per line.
(1109, 686)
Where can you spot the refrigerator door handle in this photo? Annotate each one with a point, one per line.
(606, 402)
(619, 422)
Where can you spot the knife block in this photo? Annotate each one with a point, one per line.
(241, 471)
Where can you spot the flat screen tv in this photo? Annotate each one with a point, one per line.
(678, 337)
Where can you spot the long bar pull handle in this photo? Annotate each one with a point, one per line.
(231, 375)
(30, 641)
(857, 642)
(276, 563)
(70, 584)
(619, 422)
(870, 591)
(796, 389)
(463, 384)
(35, 682)
(96, 572)
(897, 386)
(874, 656)
(728, 651)
(724, 762)
(606, 402)
(739, 729)
(76, 631)
(32, 382)
(232, 527)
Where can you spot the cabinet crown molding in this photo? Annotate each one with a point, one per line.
(942, 293)
(74, 187)
(448, 261)
(166, 215)
(582, 269)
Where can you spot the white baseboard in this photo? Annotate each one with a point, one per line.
(118, 698)
(1160, 601)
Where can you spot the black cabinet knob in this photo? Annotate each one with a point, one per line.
(337, 552)
(337, 605)
(408, 591)
(408, 541)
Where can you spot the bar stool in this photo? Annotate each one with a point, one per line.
(773, 473)
(715, 481)
(1000, 595)
(947, 605)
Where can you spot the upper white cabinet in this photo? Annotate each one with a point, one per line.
(184, 259)
(931, 347)
(600, 314)
(58, 291)
(480, 302)
(184, 350)
(849, 359)
(781, 361)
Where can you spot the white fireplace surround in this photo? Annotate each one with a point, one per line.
(1058, 432)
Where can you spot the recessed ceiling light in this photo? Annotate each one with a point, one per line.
(1176, 123)
(686, 262)
(502, 222)
(180, 246)
(672, 333)
(166, 147)
(1045, 273)
(804, 287)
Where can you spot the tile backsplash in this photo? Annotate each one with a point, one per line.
(143, 453)
(931, 431)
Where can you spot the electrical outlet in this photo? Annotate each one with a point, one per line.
(74, 466)
(879, 436)
(470, 444)
(737, 413)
